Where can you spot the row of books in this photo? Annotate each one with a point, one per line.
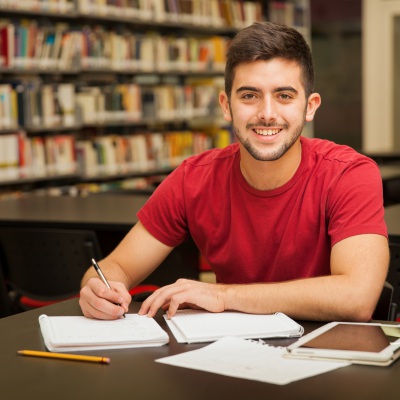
(216, 13)
(37, 105)
(40, 156)
(146, 184)
(26, 45)
(295, 13)
(114, 154)
(51, 6)
(106, 49)
(24, 157)
(138, 184)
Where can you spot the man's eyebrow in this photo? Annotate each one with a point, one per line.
(276, 90)
(285, 89)
(248, 88)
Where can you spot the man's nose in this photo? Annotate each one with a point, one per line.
(267, 110)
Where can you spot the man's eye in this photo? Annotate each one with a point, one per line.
(284, 96)
(248, 96)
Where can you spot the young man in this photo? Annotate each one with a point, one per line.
(287, 223)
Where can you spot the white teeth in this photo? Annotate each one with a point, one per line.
(267, 132)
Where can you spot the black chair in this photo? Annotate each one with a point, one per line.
(393, 276)
(42, 266)
(386, 309)
(5, 303)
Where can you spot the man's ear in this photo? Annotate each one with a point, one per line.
(314, 101)
(224, 102)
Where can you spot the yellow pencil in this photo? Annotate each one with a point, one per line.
(63, 356)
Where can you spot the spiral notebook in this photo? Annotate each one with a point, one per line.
(77, 333)
(194, 326)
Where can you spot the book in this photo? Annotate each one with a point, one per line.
(77, 333)
(195, 326)
(7, 43)
(9, 159)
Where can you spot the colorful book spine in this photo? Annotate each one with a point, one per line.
(27, 157)
(122, 154)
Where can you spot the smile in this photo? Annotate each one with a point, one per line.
(267, 132)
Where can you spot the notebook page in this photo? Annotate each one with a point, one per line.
(77, 330)
(195, 325)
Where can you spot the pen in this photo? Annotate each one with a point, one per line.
(102, 277)
(61, 356)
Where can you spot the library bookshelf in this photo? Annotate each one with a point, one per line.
(98, 93)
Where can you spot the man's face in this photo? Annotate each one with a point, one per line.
(268, 107)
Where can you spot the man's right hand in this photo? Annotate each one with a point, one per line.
(97, 301)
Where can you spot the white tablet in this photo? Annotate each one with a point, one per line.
(359, 343)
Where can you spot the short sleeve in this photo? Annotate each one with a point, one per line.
(164, 213)
(355, 202)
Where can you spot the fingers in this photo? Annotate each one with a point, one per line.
(97, 301)
(179, 300)
(161, 298)
(156, 300)
(183, 292)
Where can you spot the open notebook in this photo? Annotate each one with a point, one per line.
(65, 333)
(192, 326)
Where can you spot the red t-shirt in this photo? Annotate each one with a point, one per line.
(248, 235)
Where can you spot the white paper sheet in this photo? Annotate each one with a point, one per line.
(240, 358)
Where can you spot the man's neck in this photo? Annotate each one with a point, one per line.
(268, 175)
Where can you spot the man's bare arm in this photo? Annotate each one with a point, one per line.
(358, 270)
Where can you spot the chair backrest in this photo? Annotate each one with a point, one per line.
(46, 264)
(5, 302)
(393, 276)
(385, 310)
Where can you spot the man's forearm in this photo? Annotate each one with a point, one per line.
(323, 298)
(112, 271)
(358, 270)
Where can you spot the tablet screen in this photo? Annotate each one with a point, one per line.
(353, 337)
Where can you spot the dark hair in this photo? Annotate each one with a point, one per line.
(265, 41)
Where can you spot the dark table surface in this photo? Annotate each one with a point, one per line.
(133, 373)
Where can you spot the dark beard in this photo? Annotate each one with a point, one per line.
(270, 157)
